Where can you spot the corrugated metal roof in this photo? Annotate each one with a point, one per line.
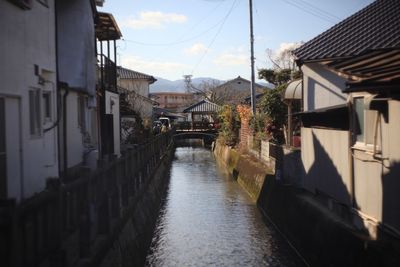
(377, 26)
(294, 90)
(124, 73)
(202, 106)
(106, 27)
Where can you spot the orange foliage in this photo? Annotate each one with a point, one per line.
(244, 112)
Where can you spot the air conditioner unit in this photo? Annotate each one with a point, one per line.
(24, 4)
(99, 2)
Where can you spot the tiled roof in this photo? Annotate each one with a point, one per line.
(238, 80)
(203, 106)
(124, 73)
(377, 26)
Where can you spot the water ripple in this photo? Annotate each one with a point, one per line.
(208, 219)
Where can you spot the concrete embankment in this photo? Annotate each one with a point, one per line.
(321, 237)
(133, 240)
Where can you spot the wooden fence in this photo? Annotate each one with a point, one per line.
(67, 222)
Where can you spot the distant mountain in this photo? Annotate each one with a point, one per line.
(164, 85)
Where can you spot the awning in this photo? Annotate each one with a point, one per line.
(294, 90)
(373, 71)
(106, 27)
(333, 117)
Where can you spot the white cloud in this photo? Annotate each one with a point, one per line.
(235, 57)
(155, 68)
(283, 47)
(196, 49)
(152, 20)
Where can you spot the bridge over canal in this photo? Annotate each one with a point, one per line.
(206, 135)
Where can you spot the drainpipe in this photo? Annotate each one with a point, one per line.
(351, 163)
(57, 87)
(64, 106)
(65, 143)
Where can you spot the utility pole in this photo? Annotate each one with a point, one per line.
(252, 84)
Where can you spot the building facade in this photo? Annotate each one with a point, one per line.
(49, 107)
(77, 78)
(28, 98)
(173, 101)
(350, 139)
(135, 87)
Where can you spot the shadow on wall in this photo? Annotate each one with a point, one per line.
(325, 177)
(320, 225)
(391, 197)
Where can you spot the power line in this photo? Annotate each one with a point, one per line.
(176, 42)
(180, 40)
(319, 10)
(215, 36)
(311, 12)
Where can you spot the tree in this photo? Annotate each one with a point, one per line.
(230, 124)
(283, 57)
(275, 111)
(206, 90)
(284, 68)
(275, 76)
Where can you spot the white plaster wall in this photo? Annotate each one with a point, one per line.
(13, 156)
(144, 107)
(377, 181)
(112, 107)
(28, 38)
(325, 159)
(75, 147)
(141, 87)
(76, 45)
(322, 88)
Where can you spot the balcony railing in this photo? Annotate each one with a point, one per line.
(107, 71)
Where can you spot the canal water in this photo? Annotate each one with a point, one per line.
(208, 219)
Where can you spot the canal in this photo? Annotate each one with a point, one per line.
(208, 219)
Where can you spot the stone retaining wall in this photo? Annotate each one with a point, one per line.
(320, 236)
(131, 246)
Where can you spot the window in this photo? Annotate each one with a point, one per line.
(364, 122)
(46, 106)
(35, 112)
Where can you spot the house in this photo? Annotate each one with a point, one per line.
(107, 33)
(202, 114)
(28, 98)
(48, 99)
(234, 91)
(76, 53)
(135, 87)
(350, 139)
(172, 100)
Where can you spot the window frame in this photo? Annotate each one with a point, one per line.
(35, 112)
(47, 110)
(368, 122)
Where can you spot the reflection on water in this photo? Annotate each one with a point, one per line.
(208, 219)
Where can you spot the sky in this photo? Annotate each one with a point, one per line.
(211, 38)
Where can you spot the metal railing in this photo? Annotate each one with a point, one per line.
(107, 73)
(75, 218)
